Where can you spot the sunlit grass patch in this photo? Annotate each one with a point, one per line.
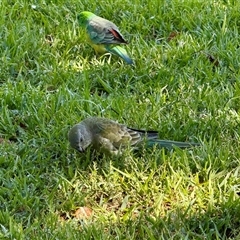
(184, 84)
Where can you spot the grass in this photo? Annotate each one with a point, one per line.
(185, 84)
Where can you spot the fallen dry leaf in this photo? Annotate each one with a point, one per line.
(172, 35)
(83, 213)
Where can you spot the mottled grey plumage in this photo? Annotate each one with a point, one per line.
(109, 136)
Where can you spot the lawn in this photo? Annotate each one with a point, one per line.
(185, 83)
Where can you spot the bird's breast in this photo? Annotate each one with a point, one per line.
(99, 48)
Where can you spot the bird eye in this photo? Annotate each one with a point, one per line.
(81, 139)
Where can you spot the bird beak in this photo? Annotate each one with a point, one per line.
(80, 149)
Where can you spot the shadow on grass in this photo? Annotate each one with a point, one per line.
(220, 223)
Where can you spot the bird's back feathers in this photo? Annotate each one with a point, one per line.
(102, 31)
(118, 134)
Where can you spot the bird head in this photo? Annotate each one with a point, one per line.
(84, 17)
(80, 137)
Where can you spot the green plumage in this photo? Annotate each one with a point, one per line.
(103, 35)
(109, 136)
(121, 52)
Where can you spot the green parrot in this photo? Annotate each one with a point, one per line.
(108, 136)
(103, 35)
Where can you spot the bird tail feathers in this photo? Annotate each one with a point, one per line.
(171, 144)
(121, 52)
(152, 138)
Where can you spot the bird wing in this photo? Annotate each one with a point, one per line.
(149, 134)
(118, 134)
(102, 31)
